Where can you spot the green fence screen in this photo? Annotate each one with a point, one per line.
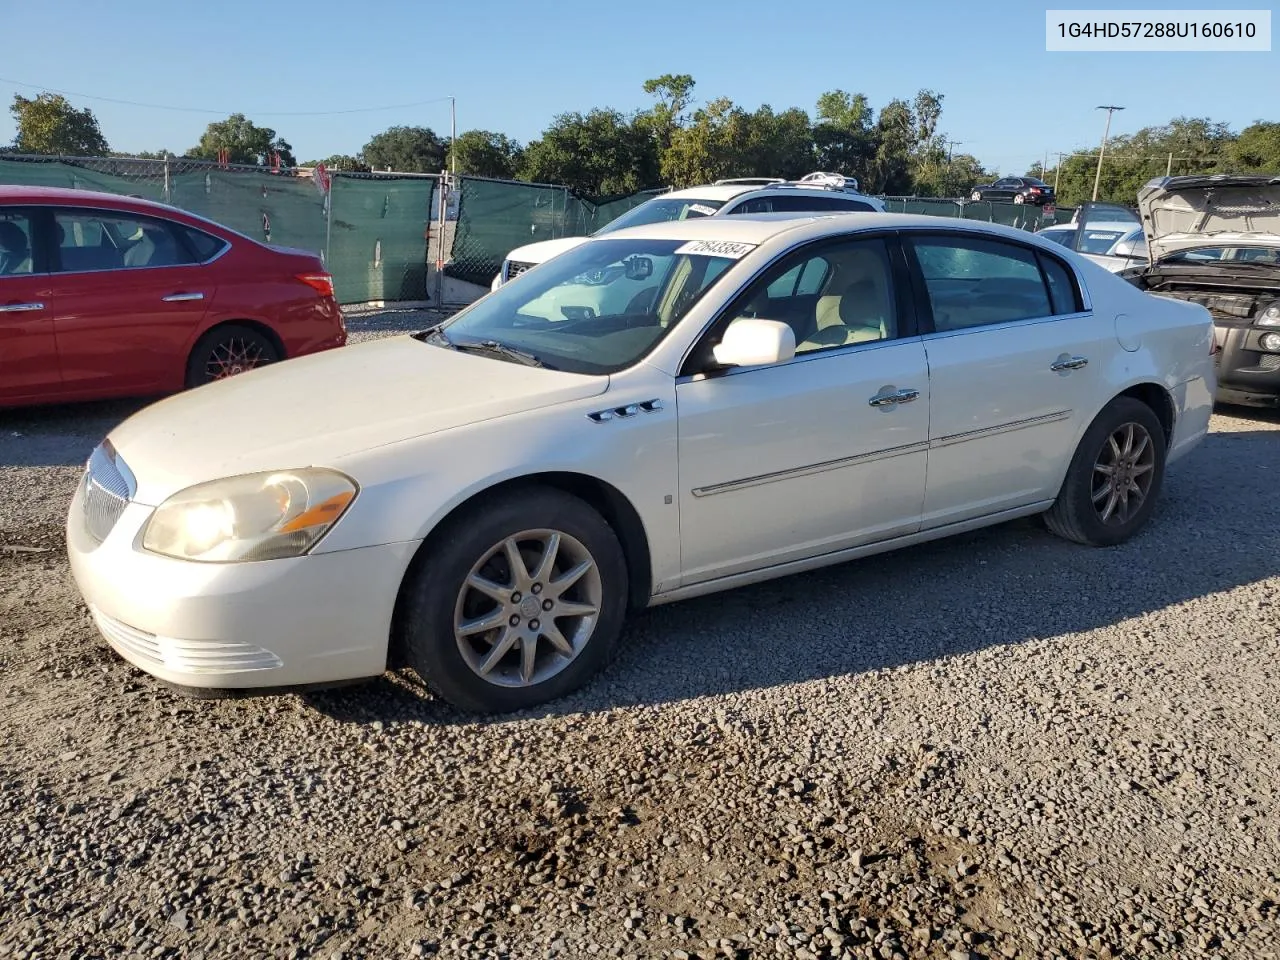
(1020, 215)
(496, 216)
(372, 233)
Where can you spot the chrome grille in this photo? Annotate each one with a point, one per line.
(516, 267)
(107, 488)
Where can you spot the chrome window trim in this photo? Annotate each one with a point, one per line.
(1005, 325)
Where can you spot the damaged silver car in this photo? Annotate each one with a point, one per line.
(1215, 240)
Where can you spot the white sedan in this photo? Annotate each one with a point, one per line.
(485, 501)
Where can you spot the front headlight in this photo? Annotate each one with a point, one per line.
(1269, 317)
(261, 516)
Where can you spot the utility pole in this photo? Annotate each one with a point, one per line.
(951, 144)
(453, 135)
(1097, 178)
(1057, 169)
(1168, 167)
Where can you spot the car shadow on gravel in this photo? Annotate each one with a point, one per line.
(59, 436)
(1218, 528)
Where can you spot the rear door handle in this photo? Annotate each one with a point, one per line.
(905, 395)
(20, 307)
(1068, 363)
(181, 297)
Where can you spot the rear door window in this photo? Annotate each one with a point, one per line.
(95, 240)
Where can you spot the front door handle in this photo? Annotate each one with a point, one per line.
(1068, 363)
(20, 307)
(883, 399)
(182, 297)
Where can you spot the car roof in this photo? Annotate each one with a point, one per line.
(11, 193)
(728, 191)
(757, 228)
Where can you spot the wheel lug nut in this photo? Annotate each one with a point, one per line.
(546, 604)
(514, 621)
(515, 597)
(537, 588)
(534, 624)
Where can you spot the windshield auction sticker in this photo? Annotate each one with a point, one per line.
(1158, 31)
(717, 248)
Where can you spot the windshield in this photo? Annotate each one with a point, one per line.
(1066, 237)
(661, 209)
(597, 308)
(1098, 241)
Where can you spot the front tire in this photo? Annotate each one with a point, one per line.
(1019, 198)
(519, 601)
(1114, 479)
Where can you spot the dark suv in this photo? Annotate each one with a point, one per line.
(1016, 189)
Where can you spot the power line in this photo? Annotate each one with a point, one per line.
(258, 113)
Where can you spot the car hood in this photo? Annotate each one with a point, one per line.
(544, 250)
(315, 409)
(1179, 213)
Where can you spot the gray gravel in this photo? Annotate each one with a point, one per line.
(997, 746)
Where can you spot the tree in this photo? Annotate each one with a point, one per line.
(405, 150)
(891, 171)
(48, 124)
(1256, 149)
(598, 154)
(843, 139)
(673, 93)
(342, 162)
(716, 144)
(483, 153)
(779, 144)
(245, 143)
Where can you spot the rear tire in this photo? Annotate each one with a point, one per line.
(1114, 478)
(226, 351)
(522, 637)
(1019, 198)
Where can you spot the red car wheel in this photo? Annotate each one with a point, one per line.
(226, 351)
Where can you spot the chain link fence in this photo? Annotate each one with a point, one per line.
(370, 229)
(1024, 216)
(496, 216)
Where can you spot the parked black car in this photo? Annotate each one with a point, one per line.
(1215, 240)
(1016, 189)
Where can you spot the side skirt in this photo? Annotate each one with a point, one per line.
(843, 556)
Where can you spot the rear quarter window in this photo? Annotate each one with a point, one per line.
(205, 246)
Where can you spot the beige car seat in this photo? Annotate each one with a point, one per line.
(860, 312)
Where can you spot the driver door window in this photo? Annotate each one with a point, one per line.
(840, 297)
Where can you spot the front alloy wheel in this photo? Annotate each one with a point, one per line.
(527, 608)
(515, 600)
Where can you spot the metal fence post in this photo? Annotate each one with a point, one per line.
(328, 222)
(168, 189)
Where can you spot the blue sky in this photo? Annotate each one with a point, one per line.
(512, 69)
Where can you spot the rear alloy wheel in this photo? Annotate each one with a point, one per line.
(1114, 477)
(976, 197)
(518, 602)
(227, 351)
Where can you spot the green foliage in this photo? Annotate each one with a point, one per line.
(405, 150)
(598, 154)
(483, 153)
(244, 141)
(48, 124)
(341, 162)
(1257, 148)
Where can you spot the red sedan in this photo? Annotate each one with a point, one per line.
(108, 296)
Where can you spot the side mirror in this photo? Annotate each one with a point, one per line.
(752, 342)
(639, 268)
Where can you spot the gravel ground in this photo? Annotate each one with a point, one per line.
(1001, 745)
